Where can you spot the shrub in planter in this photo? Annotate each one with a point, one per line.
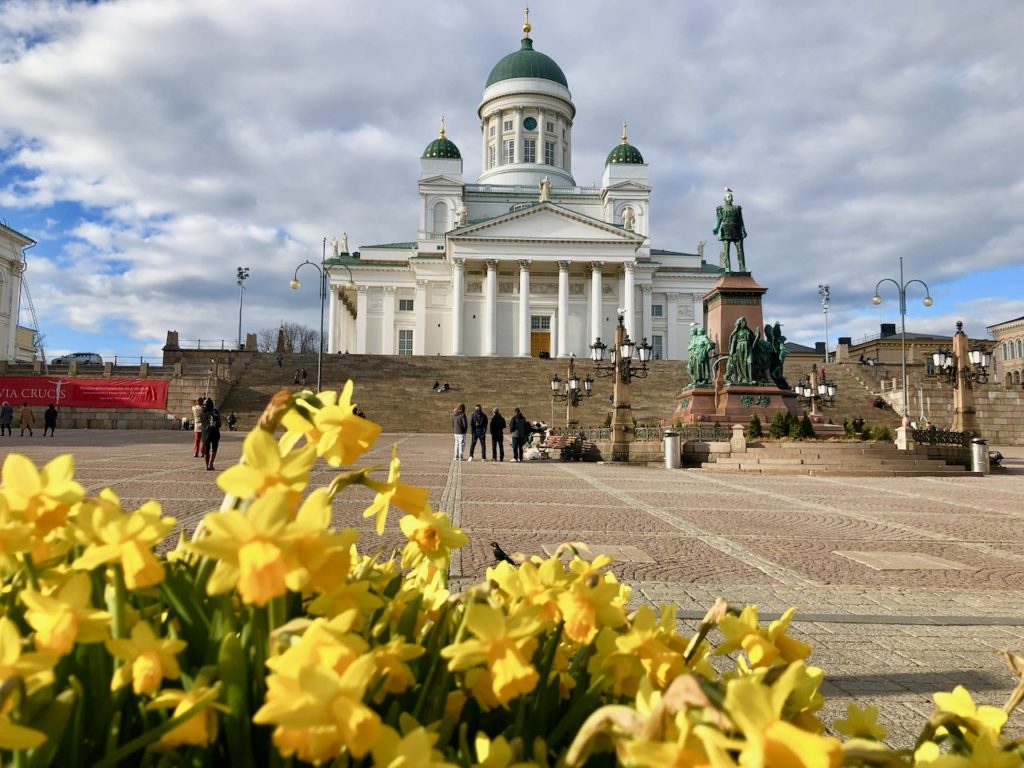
(275, 638)
(780, 425)
(881, 433)
(754, 427)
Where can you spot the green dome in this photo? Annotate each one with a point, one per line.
(625, 153)
(442, 147)
(527, 62)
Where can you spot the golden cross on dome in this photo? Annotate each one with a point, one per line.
(441, 135)
(526, 23)
(624, 134)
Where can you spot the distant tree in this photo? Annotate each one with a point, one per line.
(297, 338)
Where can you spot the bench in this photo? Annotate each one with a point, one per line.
(554, 443)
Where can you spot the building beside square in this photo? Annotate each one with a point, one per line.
(1008, 351)
(522, 261)
(17, 341)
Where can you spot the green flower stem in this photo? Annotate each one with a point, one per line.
(276, 613)
(30, 570)
(116, 603)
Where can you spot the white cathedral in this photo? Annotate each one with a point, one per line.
(523, 262)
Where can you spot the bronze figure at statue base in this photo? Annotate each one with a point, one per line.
(740, 367)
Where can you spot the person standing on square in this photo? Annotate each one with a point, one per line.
(50, 420)
(197, 427)
(478, 426)
(27, 420)
(519, 429)
(497, 429)
(459, 426)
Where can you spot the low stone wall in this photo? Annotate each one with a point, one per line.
(697, 452)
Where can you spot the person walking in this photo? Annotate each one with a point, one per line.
(6, 418)
(197, 426)
(497, 429)
(519, 429)
(50, 419)
(280, 361)
(459, 426)
(302, 377)
(27, 420)
(211, 432)
(478, 426)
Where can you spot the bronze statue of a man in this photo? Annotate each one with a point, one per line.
(729, 228)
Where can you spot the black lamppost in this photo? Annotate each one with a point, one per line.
(572, 394)
(902, 286)
(946, 363)
(622, 367)
(243, 275)
(823, 291)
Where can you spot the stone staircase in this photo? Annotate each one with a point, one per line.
(395, 391)
(838, 458)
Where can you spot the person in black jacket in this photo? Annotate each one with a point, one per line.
(211, 432)
(478, 426)
(497, 428)
(49, 420)
(518, 428)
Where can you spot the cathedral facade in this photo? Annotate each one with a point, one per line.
(522, 262)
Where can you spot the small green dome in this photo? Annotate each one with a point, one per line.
(442, 147)
(625, 153)
(527, 62)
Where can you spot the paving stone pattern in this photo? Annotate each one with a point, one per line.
(889, 637)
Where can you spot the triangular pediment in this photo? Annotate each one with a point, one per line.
(545, 222)
(627, 186)
(441, 179)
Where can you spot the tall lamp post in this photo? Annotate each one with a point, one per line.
(622, 367)
(322, 269)
(823, 291)
(572, 394)
(964, 367)
(902, 286)
(243, 275)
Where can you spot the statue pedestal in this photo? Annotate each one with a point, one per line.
(734, 404)
(735, 295)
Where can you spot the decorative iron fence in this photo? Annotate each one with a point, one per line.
(705, 433)
(941, 437)
(650, 433)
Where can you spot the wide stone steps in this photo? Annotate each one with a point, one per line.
(839, 459)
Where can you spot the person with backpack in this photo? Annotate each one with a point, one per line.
(478, 427)
(6, 418)
(459, 426)
(211, 432)
(497, 429)
(518, 428)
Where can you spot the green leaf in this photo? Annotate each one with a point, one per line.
(234, 676)
(53, 722)
(196, 629)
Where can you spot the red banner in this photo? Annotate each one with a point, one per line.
(84, 393)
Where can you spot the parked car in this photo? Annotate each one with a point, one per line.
(82, 358)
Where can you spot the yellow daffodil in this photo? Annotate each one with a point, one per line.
(589, 604)
(431, 536)
(763, 647)
(504, 644)
(323, 558)
(330, 425)
(15, 534)
(44, 498)
(789, 650)
(111, 535)
(147, 659)
(264, 468)
(408, 497)
(768, 740)
(960, 703)
(986, 752)
(201, 727)
(319, 711)
(391, 661)
(413, 750)
(253, 550)
(644, 641)
(532, 584)
(861, 723)
(35, 669)
(330, 644)
(65, 616)
(496, 753)
(684, 746)
(14, 736)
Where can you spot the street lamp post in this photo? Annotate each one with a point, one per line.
(964, 367)
(823, 291)
(902, 286)
(622, 368)
(322, 269)
(572, 394)
(242, 276)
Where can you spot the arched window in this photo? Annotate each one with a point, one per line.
(441, 221)
(1009, 379)
(1005, 355)
(1016, 377)
(1020, 345)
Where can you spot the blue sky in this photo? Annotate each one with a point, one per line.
(152, 147)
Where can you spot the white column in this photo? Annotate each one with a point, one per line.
(553, 322)
(458, 280)
(672, 327)
(419, 336)
(540, 135)
(332, 320)
(362, 307)
(387, 341)
(524, 308)
(563, 309)
(491, 309)
(595, 299)
(627, 300)
(645, 308)
(483, 146)
(517, 115)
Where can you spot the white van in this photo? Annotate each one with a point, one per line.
(82, 358)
